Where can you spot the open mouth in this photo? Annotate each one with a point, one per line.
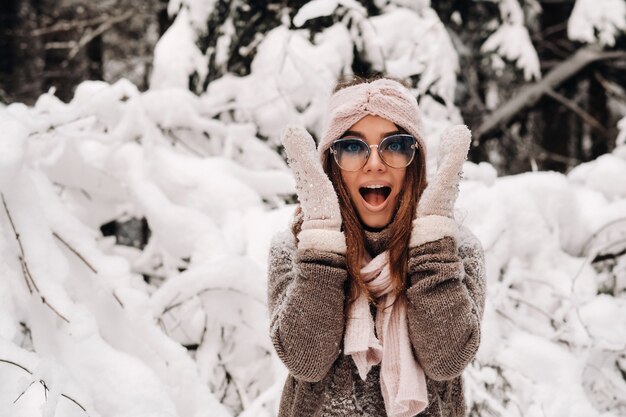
(375, 195)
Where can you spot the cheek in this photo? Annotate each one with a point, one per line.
(349, 179)
(401, 179)
(349, 182)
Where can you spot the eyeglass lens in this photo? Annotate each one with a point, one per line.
(351, 154)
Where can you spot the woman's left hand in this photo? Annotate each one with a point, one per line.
(446, 292)
(434, 213)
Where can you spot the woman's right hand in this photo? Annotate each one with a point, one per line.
(315, 191)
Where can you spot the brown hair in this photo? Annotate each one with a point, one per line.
(401, 226)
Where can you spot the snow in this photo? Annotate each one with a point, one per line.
(598, 21)
(101, 324)
(321, 8)
(291, 80)
(423, 48)
(176, 56)
(545, 321)
(199, 11)
(511, 41)
(594, 175)
(180, 327)
(112, 341)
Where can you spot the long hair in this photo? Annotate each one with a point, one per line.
(401, 225)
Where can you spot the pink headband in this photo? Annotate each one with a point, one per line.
(385, 98)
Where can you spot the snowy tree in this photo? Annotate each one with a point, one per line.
(508, 67)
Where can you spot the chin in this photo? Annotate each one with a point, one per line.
(375, 222)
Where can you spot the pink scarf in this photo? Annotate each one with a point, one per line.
(402, 380)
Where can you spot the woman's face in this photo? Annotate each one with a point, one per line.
(374, 189)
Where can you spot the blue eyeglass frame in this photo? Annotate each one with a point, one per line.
(369, 149)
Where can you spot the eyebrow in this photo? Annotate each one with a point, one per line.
(362, 136)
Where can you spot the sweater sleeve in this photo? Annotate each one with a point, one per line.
(446, 299)
(306, 306)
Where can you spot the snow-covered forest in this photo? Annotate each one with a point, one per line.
(135, 222)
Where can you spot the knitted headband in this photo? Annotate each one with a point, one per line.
(383, 97)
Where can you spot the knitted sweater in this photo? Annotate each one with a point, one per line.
(307, 290)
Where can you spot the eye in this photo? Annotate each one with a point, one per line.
(352, 146)
(396, 144)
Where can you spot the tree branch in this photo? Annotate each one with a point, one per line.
(22, 257)
(610, 87)
(118, 299)
(82, 258)
(23, 392)
(25, 270)
(529, 95)
(67, 245)
(43, 300)
(205, 290)
(586, 117)
(90, 35)
(42, 382)
(65, 26)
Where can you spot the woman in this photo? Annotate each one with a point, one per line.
(376, 294)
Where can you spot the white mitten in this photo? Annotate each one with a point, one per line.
(434, 215)
(321, 228)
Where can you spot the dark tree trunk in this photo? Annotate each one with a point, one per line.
(557, 125)
(94, 58)
(21, 65)
(601, 142)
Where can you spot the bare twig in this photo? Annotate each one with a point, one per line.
(118, 299)
(22, 257)
(586, 117)
(90, 35)
(63, 187)
(25, 270)
(59, 45)
(554, 29)
(55, 234)
(82, 258)
(534, 307)
(499, 311)
(45, 388)
(42, 382)
(65, 26)
(205, 290)
(545, 154)
(206, 319)
(43, 300)
(170, 305)
(54, 127)
(170, 132)
(16, 364)
(229, 377)
(610, 87)
(23, 392)
(25, 275)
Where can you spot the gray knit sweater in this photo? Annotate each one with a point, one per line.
(306, 295)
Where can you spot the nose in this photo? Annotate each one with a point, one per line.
(374, 163)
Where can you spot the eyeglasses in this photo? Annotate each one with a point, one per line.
(396, 151)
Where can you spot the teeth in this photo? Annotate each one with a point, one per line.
(374, 186)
